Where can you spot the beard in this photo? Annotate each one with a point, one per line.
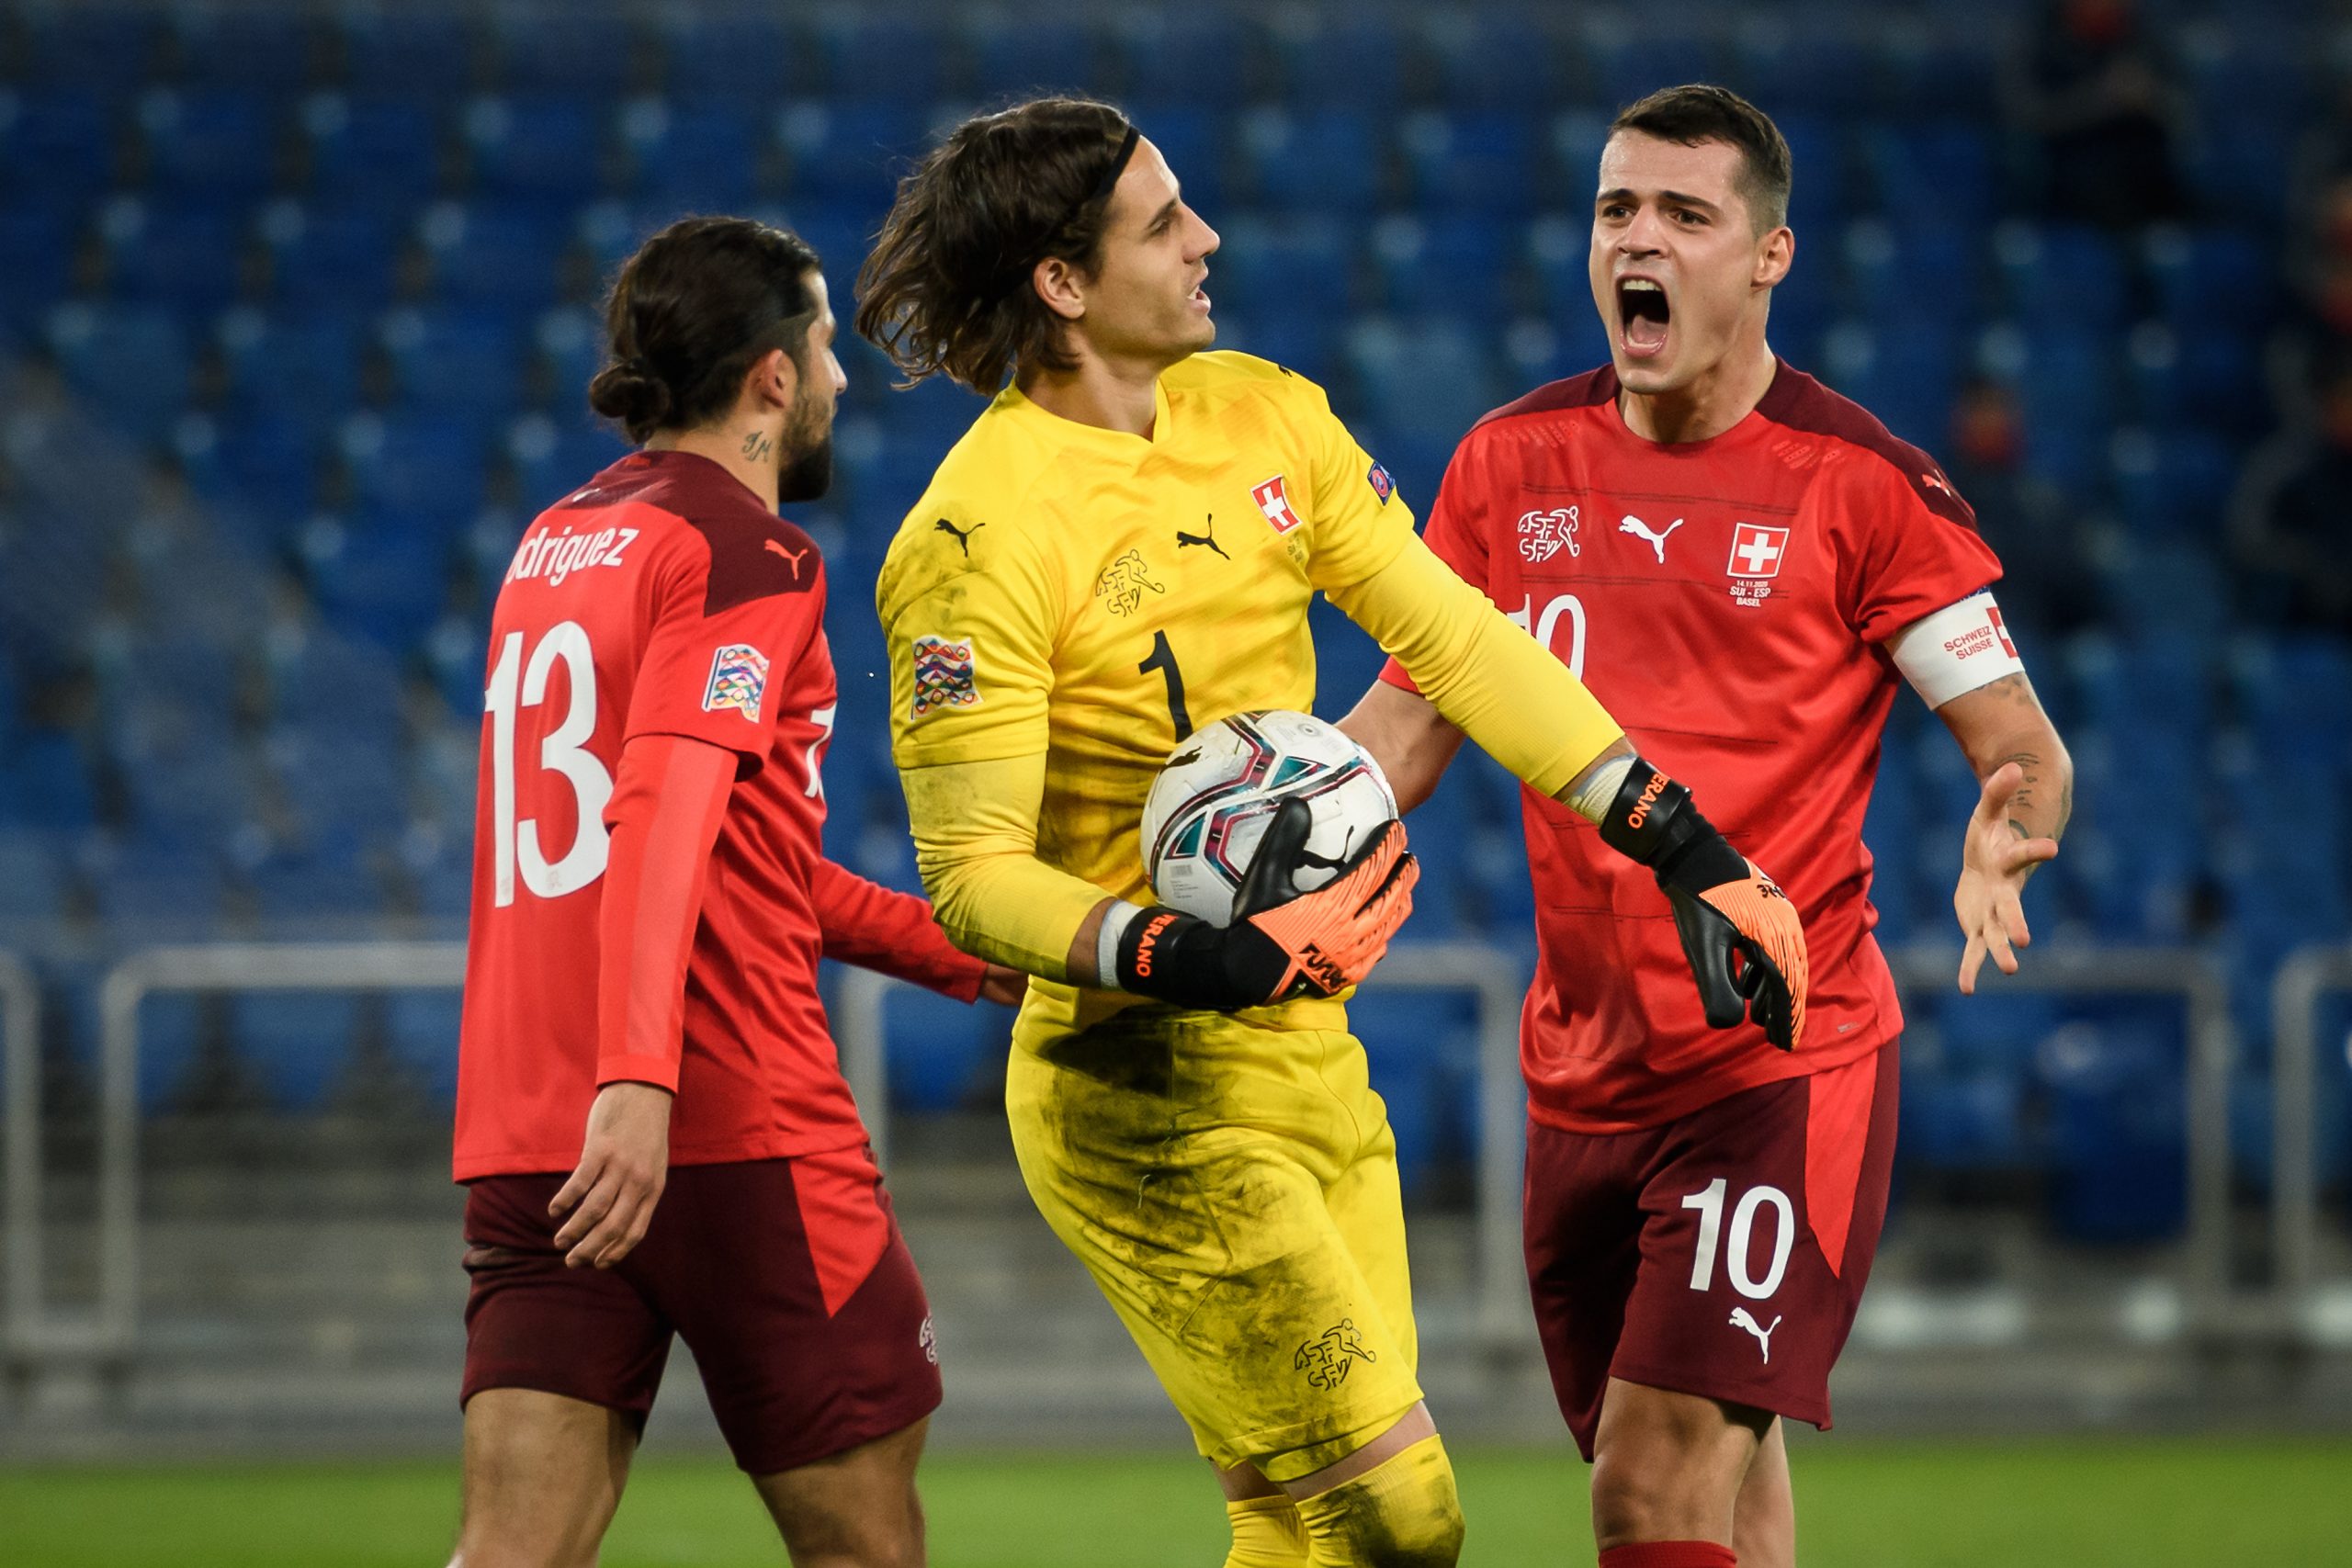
(809, 472)
(806, 469)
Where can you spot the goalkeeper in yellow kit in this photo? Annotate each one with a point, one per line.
(1123, 546)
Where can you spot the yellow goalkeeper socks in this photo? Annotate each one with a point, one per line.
(1266, 1534)
(1402, 1513)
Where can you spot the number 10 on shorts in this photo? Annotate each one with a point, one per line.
(1709, 1201)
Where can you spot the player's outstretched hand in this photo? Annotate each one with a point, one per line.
(1995, 862)
(1281, 943)
(623, 1166)
(1739, 931)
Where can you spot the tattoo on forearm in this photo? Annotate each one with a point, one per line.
(757, 446)
(2031, 764)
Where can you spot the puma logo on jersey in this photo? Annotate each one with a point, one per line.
(792, 555)
(963, 536)
(1209, 538)
(1740, 1318)
(1639, 529)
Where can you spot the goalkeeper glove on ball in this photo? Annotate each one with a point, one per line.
(1282, 943)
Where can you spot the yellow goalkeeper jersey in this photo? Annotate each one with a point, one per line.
(1065, 603)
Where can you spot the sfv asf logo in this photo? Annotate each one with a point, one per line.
(1542, 535)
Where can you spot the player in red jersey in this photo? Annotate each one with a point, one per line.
(1748, 561)
(649, 904)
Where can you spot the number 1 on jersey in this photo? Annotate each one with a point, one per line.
(1163, 659)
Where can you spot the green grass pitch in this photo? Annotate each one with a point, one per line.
(2077, 1504)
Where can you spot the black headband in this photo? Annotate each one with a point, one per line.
(1104, 186)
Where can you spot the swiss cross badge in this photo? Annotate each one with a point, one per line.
(1757, 552)
(1275, 504)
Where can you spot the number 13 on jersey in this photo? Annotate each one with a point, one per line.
(515, 683)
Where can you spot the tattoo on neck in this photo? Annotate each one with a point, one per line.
(757, 448)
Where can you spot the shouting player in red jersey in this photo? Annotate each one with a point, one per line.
(1748, 561)
(649, 904)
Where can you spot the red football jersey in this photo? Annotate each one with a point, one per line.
(1729, 600)
(663, 599)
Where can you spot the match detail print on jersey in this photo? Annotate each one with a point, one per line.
(1956, 650)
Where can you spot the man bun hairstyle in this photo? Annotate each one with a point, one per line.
(947, 290)
(691, 311)
(1700, 112)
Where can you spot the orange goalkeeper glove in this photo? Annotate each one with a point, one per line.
(1282, 943)
(1739, 929)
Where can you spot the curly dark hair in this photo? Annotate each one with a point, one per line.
(946, 289)
(690, 312)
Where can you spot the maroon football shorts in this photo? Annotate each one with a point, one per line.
(1722, 1254)
(786, 1278)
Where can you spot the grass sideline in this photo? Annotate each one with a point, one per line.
(2081, 1504)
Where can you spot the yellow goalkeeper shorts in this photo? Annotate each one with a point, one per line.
(1233, 1190)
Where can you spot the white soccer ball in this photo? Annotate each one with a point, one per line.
(1212, 802)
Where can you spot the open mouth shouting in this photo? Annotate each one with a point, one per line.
(1644, 315)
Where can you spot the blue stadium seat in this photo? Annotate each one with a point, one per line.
(880, 56)
(380, 152)
(1191, 57)
(1017, 57)
(294, 895)
(1932, 176)
(162, 886)
(1494, 62)
(1298, 163)
(461, 365)
(419, 469)
(55, 143)
(380, 575)
(421, 1028)
(938, 1050)
(263, 49)
(1320, 58)
(848, 155)
(494, 256)
(108, 48)
(1303, 342)
(747, 54)
(1427, 374)
(1301, 264)
(409, 51)
(553, 459)
(1483, 162)
(1963, 1124)
(1900, 275)
(2210, 278)
(45, 782)
(36, 251)
(2296, 695)
(1425, 262)
(1629, 64)
(589, 53)
(570, 345)
(131, 361)
(32, 874)
(301, 368)
(2117, 1141)
(325, 258)
(692, 155)
(220, 143)
(1421, 1047)
(268, 464)
(185, 260)
(537, 149)
(297, 1043)
(1823, 63)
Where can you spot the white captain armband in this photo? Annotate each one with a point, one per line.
(1956, 650)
